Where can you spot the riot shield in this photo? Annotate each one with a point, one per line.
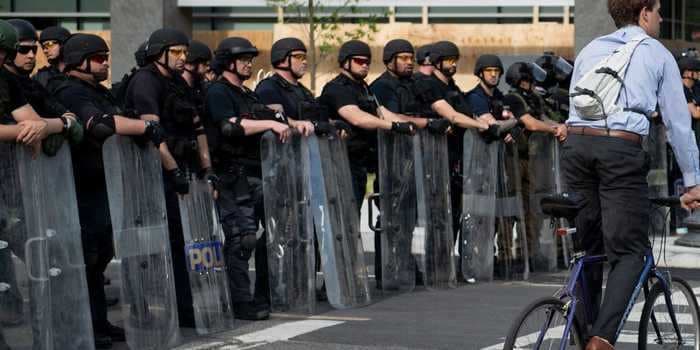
(137, 208)
(291, 255)
(397, 202)
(511, 238)
(337, 223)
(433, 238)
(43, 290)
(203, 237)
(478, 206)
(543, 175)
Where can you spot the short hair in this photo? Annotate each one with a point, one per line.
(626, 12)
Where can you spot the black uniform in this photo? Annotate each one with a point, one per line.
(237, 162)
(292, 97)
(150, 92)
(11, 97)
(88, 101)
(362, 145)
(430, 89)
(49, 77)
(38, 96)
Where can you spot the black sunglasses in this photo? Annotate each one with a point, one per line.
(24, 49)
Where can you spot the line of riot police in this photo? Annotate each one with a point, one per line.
(181, 174)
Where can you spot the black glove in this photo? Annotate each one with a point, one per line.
(323, 128)
(179, 180)
(211, 178)
(154, 132)
(72, 130)
(406, 128)
(52, 144)
(491, 134)
(439, 126)
(247, 245)
(341, 125)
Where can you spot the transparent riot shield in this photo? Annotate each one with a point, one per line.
(44, 300)
(433, 241)
(543, 175)
(137, 209)
(397, 202)
(337, 223)
(511, 239)
(478, 207)
(291, 256)
(204, 236)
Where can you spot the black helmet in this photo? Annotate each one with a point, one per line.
(688, 63)
(140, 54)
(520, 71)
(163, 38)
(235, 46)
(353, 48)
(8, 36)
(57, 33)
(199, 52)
(80, 46)
(487, 61)
(283, 47)
(443, 49)
(25, 30)
(423, 54)
(394, 47)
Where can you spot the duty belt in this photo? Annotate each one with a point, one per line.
(588, 131)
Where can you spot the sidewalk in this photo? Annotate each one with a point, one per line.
(674, 255)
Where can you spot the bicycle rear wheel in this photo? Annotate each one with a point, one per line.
(541, 326)
(656, 330)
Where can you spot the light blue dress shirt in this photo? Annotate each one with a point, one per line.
(652, 77)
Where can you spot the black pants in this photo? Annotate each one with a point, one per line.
(183, 291)
(359, 187)
(98, 250)
(241, 209)
(611, 175)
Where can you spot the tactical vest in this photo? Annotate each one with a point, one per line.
(5, 103)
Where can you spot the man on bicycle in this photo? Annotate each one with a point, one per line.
(604, 161)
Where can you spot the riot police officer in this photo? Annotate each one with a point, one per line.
(529, 108)
(486, 99)
(19, 66)
(86, 58)
(197, 66)
(442, 95)
(284, 92)
(236, 120)
(51, 40)
(348, 98)
(555, 87)
(157, 91)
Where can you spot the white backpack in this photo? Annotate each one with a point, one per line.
(595, 95)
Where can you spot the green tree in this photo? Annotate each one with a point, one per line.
(322, 27)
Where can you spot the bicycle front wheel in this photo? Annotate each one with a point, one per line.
(541, 326)
(656, 329)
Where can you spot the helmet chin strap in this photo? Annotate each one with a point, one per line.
(234, 71)
(352, 74)
(289, 69)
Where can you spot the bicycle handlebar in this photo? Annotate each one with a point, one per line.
(671, 202)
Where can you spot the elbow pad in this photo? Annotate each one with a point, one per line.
(102, 127)
(229, 129)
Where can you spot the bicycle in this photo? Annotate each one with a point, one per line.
(554, 323)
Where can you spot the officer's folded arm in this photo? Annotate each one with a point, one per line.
(363, 120)
(252, 126)
(445, 110)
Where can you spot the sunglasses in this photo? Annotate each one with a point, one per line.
(49, 44)
(25, 49)
(299, 56)
(178, 52)
(99, 59)
(450, 60)
(405, 58)
(361, 61)
(245, 60)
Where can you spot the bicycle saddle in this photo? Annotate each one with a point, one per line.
(562, 205)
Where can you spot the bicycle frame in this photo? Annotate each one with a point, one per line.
(577, 278)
